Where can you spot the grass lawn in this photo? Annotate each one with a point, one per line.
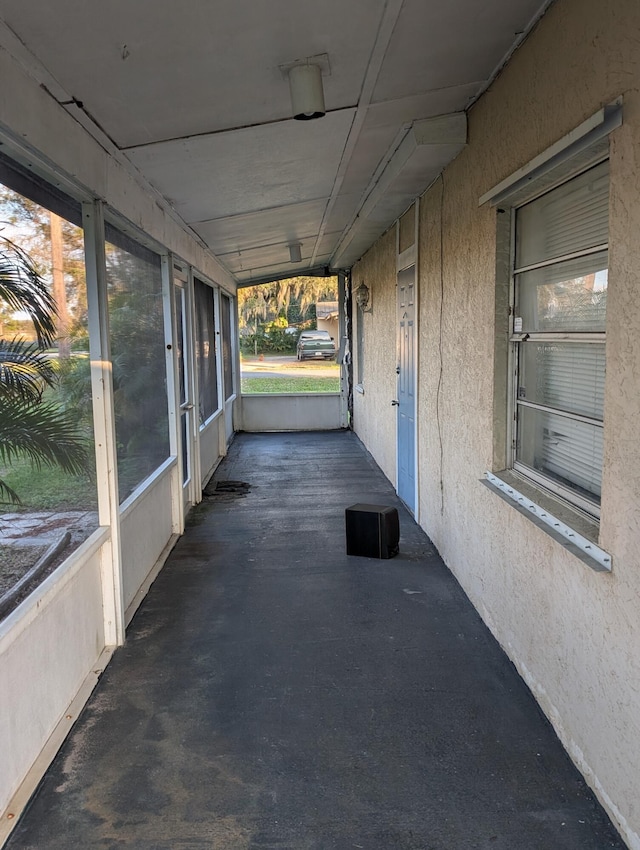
(302, 384)
(47, 489)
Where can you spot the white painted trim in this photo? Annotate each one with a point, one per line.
(21, 618)
(206, 478)
(592, 554)
(195, 494)
(598, 126)
(177, 510)
(222, 432)
(104, 421)
(10, 817)
(147, 486)
(208, 422)
(408, 257)
(291, 395)
(150, 578)
(181, 290)
(390, 15)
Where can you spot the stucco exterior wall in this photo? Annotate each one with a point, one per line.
(573, 633)
(374, 417)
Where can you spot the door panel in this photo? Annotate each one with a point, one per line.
(406, 416)
(185, 389)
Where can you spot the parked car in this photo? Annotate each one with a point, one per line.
(313, 345)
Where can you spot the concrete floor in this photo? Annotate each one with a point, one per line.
(275, 694)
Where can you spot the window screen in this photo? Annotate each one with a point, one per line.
(560, 279)
(136, 330)
(227, 348)
(206, 349)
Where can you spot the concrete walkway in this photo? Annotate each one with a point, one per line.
(275, 694)
(287, 366)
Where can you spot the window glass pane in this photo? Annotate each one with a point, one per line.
(227, 359)
(569, 296)
(565, 450)
(47, 457)
(570, 218)
(136, 328)
(568, 376)
(206, 349)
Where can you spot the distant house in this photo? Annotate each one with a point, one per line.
(327, 317)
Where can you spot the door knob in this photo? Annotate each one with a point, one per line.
(395, 403)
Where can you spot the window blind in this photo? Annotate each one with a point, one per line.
(561, 288)
(572, 217)
(567, 296)
(566, 376)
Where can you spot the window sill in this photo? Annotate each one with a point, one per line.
(576, 532)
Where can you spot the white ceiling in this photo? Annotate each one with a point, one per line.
(193, 94)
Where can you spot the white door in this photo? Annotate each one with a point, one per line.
(406, 401)
(185, 389)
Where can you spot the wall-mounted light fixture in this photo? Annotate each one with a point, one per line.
(363, 297)
(305, 86)
(295, 252)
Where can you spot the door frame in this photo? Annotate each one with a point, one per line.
(410, 257)
(182, 285)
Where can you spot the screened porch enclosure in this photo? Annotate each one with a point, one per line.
(472, 176)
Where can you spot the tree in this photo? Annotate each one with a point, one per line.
(267, 301)
(30, 426)
(56, 249)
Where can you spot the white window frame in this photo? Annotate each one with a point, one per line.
(582, 148)
(516, 340)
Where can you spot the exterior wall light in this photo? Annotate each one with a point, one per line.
(363, 297)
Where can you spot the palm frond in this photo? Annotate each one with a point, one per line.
(24, 370)
(22, 288)
(42, 433)
(7, 495)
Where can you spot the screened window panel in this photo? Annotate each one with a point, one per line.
(227, 359)
(566, 450)
(206, 350)
(569, 296)
(567, 376)
(136, 328)
(572, 217)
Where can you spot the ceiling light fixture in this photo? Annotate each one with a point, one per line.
(295, 252)
(307, 95)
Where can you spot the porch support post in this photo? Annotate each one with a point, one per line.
(104, 422)
(173, 400)
(346, 371)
